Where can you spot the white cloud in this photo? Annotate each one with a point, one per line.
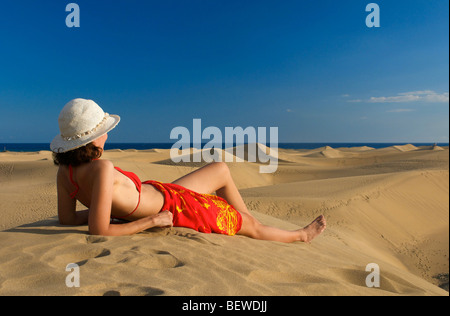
(418, 92)
(407, 97)
(441, 98)
(396, 99)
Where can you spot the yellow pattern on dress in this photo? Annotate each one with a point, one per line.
(227, 219)
(183, 202)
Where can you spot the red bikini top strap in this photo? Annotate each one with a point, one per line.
(133, 177)
(74, 193)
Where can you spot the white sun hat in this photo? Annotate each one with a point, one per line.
(81, 121)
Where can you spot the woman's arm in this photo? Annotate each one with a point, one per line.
(100, 208)
(163, 219)
(67, 213)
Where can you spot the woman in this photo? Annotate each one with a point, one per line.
(110, 192)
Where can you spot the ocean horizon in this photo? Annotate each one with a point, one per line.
(32, 147)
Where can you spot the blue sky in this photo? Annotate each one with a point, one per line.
(311, 68)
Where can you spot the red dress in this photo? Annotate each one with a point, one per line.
(205, 213)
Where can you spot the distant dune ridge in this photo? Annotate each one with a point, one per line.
(404, 148)
(387, 206)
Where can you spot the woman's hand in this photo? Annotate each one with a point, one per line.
(163, 219)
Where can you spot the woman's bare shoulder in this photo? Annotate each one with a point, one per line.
(89, 170)
(101, 164)
(98, 168)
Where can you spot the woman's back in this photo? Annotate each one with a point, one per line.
(80, 184)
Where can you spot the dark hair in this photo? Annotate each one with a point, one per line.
(78, 156)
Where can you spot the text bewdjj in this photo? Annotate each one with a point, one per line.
(235, 305)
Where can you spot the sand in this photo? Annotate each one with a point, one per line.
(386, 206)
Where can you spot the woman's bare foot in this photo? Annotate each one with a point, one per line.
(308, 233)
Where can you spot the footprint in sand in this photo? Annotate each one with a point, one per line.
(147, 258)
(61, 256)
(95, 239)
(127, 290)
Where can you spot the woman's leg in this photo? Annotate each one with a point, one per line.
(254, 229)
(216, 177)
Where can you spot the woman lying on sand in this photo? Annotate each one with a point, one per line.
(111, 193)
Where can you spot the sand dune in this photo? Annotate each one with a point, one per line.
(198, 157)
(356, 149)
(404, 148)
(327, 152)
(386, 206)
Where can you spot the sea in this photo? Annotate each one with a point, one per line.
(32, 147)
